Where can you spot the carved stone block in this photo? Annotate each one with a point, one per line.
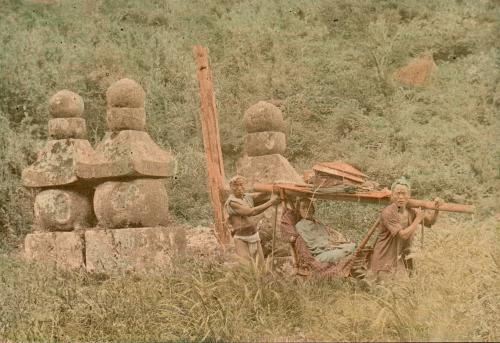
(58, 163)
(135, 203)
(62, 210)
(66, 104)
(267, 169)
(63, 249)
(265, 143)
(132, 249)
(121, 118)
(125, 93)
(62, 128)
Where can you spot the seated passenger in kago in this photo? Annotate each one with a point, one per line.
(317, 238)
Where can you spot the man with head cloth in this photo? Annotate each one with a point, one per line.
(398, 223)
(239, 207)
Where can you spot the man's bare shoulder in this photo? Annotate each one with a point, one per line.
(238, 202)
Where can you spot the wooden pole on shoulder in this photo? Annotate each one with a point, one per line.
(211, 140)
(378, 197)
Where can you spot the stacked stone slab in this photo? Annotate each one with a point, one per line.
(131, 206)
(265, 142)
(63, 201)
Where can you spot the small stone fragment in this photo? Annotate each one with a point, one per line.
(201, 242)
(125, 93)
(417, 71)
(263, 116)
(62, 128)
(66, 104)
(122, 118)
(135, 203)
(265, 143)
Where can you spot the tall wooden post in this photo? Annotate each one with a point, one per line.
(211, 140)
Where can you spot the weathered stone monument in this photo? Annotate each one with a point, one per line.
(63, 202)
(135, 165)
(122, 182)
(263, 162)
(132, 207)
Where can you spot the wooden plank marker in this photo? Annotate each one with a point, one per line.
(211, 141)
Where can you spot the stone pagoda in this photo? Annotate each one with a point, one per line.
(263, 162)
(63, 203)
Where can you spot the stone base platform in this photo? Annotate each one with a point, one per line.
(110, 250)
(131, 250)
(63, 249)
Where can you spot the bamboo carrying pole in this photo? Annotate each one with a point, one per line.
(211, 140)
(346, 269)
(379, 197)
(274, 234)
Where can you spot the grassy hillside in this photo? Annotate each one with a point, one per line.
(331, 64)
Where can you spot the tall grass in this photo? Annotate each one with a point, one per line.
(17, 149)
(453, 296)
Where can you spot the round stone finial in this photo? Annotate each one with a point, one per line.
(66, 104)
(125, 93)
(263, 116)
